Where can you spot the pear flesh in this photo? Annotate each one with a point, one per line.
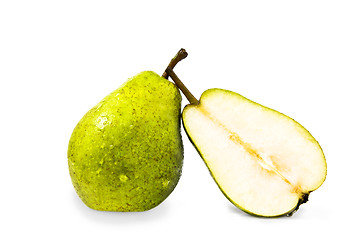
(263, 161)
(126, 153)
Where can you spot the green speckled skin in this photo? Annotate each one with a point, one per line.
(126, 153)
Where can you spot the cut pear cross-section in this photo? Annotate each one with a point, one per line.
(263, 161)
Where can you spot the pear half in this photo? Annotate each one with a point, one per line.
(263, 161)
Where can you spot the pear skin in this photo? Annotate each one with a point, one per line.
(126, 153)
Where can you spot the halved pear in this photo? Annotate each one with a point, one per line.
(264, 162)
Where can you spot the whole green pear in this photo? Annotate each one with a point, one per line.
(126, 153)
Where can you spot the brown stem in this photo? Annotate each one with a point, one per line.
(179, 56)
(182, 87)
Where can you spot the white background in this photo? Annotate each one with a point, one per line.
(60, 58)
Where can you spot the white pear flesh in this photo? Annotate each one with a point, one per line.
(263, 161)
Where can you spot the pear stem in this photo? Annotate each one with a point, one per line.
(179, 56)
(182, 87)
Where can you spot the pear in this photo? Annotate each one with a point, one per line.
(264, 162)
(126, 153)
